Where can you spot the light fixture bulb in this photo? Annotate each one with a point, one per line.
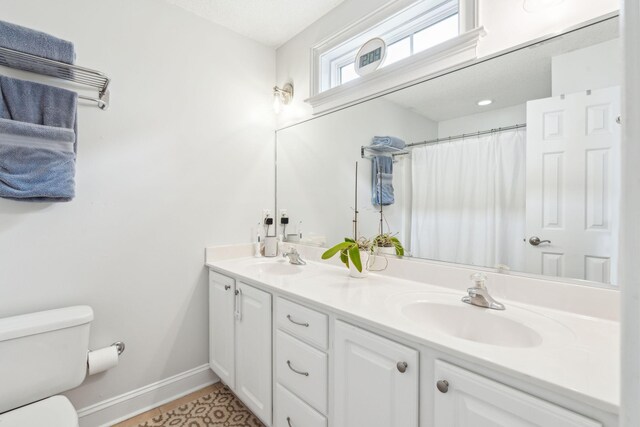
(277, 104)
(282, 97)
(485, 102)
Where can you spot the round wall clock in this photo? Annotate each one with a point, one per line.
(370, 56)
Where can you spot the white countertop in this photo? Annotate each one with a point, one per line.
(578, 357)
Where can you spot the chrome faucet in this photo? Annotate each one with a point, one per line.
(479, 295)
(294, 257)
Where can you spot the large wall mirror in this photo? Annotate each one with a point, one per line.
(526, 181)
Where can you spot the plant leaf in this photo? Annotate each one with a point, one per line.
(354, 254)
(334, 250)
(398, 245)
(346, 239)
(344, 258)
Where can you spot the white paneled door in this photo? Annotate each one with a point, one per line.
(573, 144)
(375, 380)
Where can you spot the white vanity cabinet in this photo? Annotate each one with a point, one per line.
(240, 341)
(314, 367)
(466, 399)
(375, 380)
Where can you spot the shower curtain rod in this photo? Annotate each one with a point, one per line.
(465, 135)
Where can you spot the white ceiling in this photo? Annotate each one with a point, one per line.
(509, 80)
(270, 22)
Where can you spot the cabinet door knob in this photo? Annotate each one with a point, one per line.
(227, 287)
(402, 367)
(443, 386)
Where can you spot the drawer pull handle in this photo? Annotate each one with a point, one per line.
(289, 421)
(443, 386)
(402, 367)
(306, 374)
(306, 325)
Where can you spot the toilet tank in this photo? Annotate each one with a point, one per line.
(42, 354)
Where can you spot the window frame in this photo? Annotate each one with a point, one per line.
(450, 53)
(405, 23)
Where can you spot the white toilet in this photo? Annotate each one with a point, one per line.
(42, 354)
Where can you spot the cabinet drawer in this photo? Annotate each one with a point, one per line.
(302, 322)
(302, 369)
(293, 412)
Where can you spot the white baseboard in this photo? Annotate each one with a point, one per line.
(132, 403)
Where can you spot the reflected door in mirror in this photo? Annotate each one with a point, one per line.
(573, 144)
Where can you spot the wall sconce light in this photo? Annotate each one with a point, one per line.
(538, 5)
(282, 96)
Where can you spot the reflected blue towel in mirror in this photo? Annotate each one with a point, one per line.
(37, 141)
(382, 181)
(387, 143)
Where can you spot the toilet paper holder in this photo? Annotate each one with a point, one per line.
(119, 346)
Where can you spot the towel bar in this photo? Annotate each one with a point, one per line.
(68, 72)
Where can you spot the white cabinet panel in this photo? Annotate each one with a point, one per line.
(290, 411)
(221, 327)
(471, 400)
(368, 385)
(253, 350)
(302, 369)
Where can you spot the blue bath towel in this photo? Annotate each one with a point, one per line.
(35, 43)
(37, 141)
(387, 143)
(382, 181)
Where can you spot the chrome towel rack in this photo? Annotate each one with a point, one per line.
(72, 73)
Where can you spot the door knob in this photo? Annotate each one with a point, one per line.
(402, 367)
(443, 386)
(535, 241)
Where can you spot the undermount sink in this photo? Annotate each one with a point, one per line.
(276, 267)
(444, 314)
(472, 324)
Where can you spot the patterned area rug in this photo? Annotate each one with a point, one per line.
(218, 408)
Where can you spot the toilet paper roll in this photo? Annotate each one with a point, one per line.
(102, 359)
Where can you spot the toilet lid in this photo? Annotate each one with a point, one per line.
(55, 411)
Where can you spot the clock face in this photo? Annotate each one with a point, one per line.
(370, 56)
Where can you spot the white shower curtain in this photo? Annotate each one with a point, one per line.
(469, 200)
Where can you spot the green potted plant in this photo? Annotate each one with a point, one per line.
(387, 243)
(353, 253)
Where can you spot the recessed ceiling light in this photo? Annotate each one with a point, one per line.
(539, 5)
(485, 102)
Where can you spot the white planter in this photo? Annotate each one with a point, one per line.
(353, 272)
(383, 250)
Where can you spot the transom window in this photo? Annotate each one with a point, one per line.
(410, 32)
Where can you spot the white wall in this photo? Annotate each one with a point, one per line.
(317, 158)
(182, 160)
(493, 119)
(506, 22)
(595, 67)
